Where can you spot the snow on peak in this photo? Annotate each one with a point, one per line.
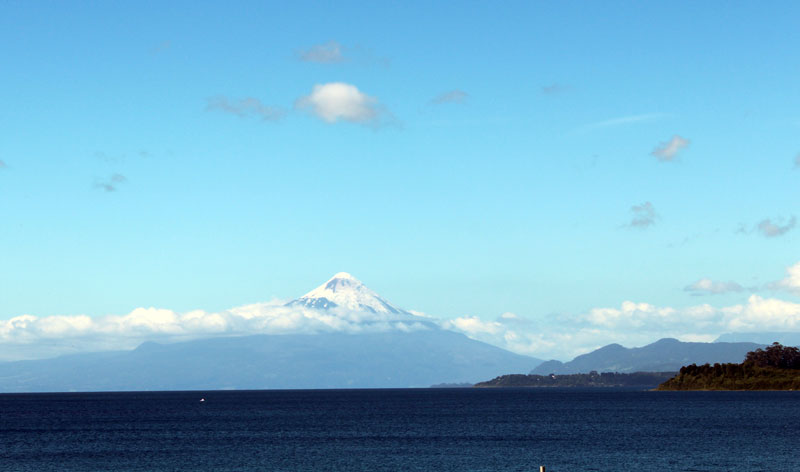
(343, 275)
(344, 290)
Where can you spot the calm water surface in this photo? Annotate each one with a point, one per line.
(402, 430)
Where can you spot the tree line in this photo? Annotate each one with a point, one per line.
(775, 368)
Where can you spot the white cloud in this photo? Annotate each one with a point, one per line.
(707, 286)
(338, 101)
(667, 151)
(644, 216)
(763, 314)
(792, 280)
(328, 53)
(474, 326)
(452, 96)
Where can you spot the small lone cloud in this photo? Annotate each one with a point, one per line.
(644, 216)
(711, 287)
(770, 229)
(338, 101)
(667, 151)
(3, 165)
(328, 53)
(797, 161)
(245, 107)
(112, 183)
(554, 89)
(453, 96)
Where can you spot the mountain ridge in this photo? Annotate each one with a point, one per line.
(301, 361)
(664, 355)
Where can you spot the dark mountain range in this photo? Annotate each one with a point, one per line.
(665, 355)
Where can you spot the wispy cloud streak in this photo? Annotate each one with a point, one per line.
(245, 107)
(621, 121)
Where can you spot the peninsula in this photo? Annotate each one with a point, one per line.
(775, 368)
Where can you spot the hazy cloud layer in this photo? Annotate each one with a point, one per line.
(338, 101)
(771, 228)
(561, 336)
(328, 53)
(245, 107)
(712, 287)
(556, 336)
(452, 96)
(111, 184)
(631, 324)
(644, 216)
(668, 151)
(128, 331)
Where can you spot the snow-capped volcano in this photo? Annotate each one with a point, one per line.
(345, 291)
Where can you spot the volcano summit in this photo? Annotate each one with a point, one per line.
(345, 291)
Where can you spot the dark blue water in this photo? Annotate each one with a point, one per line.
(402, 430)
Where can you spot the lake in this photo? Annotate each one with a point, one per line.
(567, 430)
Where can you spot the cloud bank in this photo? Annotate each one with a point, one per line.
(631, 324)
(560, 336)
(54, 334)
(563, 336)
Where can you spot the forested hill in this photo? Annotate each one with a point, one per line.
(774, 368)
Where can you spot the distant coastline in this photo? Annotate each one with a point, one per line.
(647, 380)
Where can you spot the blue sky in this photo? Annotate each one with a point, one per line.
(462, 160)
